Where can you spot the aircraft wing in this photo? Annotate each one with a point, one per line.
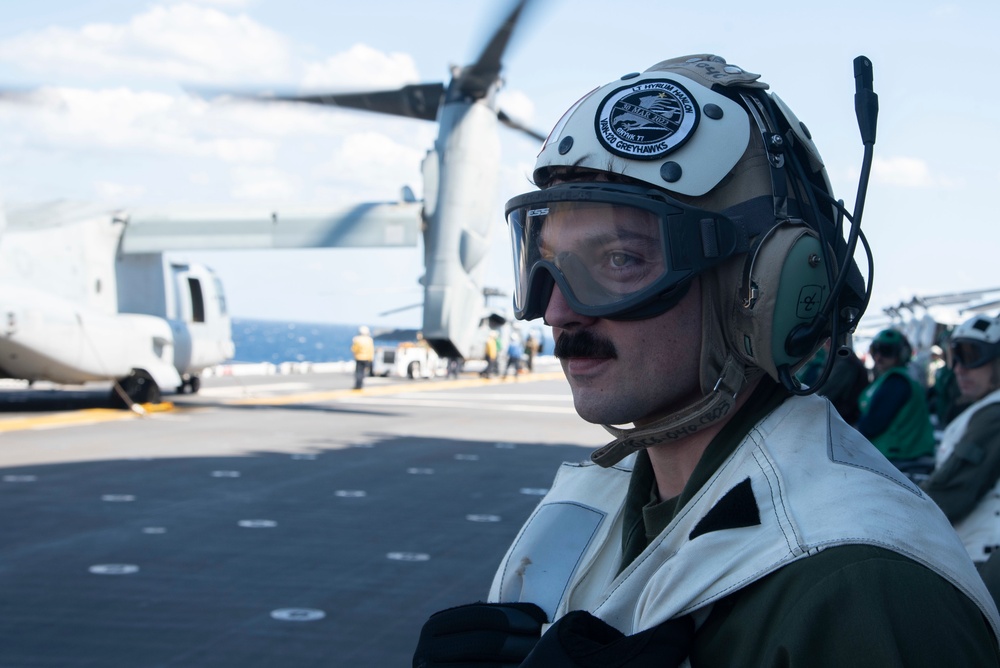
(376, 225)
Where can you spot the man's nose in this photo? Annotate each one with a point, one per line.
(559, 314)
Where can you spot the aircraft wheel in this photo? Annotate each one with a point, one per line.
(192, 385)
(150, 393)
(413, 370)
(140, 388)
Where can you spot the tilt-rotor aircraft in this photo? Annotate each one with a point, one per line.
(460, 183)
(89, 295)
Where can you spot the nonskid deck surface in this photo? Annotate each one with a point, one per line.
(280, 521)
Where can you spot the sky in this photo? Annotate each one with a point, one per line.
(116, 126)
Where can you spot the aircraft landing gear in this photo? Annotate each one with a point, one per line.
(139, 387)
(191, 384)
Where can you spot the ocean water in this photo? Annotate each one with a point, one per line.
(277, 341)
(281, 341)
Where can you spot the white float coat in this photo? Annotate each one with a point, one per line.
(817, 484)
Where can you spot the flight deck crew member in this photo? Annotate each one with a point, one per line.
(894, 412)
(363, 349)
(515, 355)
(966, 484)
(673, 248)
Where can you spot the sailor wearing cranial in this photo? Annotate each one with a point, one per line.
(688, 252)
(697, 146)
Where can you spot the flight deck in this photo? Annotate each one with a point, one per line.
(266, 521)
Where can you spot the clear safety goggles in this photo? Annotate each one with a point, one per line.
(615, 251)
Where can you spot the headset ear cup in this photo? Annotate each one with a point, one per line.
(784, 287)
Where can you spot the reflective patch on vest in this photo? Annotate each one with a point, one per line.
(547, 554)
(851, 449)
(737, 509)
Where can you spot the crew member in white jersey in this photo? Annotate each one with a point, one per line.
(688, 252)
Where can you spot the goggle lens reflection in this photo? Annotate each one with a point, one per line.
(606, 252)
(614, 250)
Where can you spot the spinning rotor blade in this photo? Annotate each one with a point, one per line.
(514, 125)
(420, 101)
(401, 309)
(412, 101)
(29, 95)
(476, 80)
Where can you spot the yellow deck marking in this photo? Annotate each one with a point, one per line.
(97, 415)
(334, 395)
(81, 417)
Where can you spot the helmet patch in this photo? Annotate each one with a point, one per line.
(647, 120)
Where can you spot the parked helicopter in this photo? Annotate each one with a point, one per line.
(91, 295)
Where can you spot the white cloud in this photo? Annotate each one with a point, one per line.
(120, 114)
(376, 163)
(225, 3)
(123, 119)
(907, 172)
(200, 178)
(262, 185)
(517, 105)
(182, 43)
(109, 191)
(946, 11)
(361, 67)
(276, 120)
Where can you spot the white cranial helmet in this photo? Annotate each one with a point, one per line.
(743, 202)
(976, 341)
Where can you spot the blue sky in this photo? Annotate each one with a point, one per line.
(119, 129)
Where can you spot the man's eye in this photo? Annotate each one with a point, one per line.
(621, 259)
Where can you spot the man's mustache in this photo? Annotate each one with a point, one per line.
(584, 344)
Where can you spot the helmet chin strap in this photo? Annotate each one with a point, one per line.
(701, 414)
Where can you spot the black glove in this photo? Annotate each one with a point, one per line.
(580, 640)
(479, 634)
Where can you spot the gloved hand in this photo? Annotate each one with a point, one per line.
(479, 634)
(581, 640)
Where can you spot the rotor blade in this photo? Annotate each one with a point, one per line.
(401, 308)
(412, 101)
(956, 297)
(515, 125)
(476, 79)
(984, 306)
(28, 95)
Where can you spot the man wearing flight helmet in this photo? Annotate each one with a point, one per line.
(966, 483)
(895, 416)
(686, 251)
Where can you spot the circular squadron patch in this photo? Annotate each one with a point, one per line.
(647, 120)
